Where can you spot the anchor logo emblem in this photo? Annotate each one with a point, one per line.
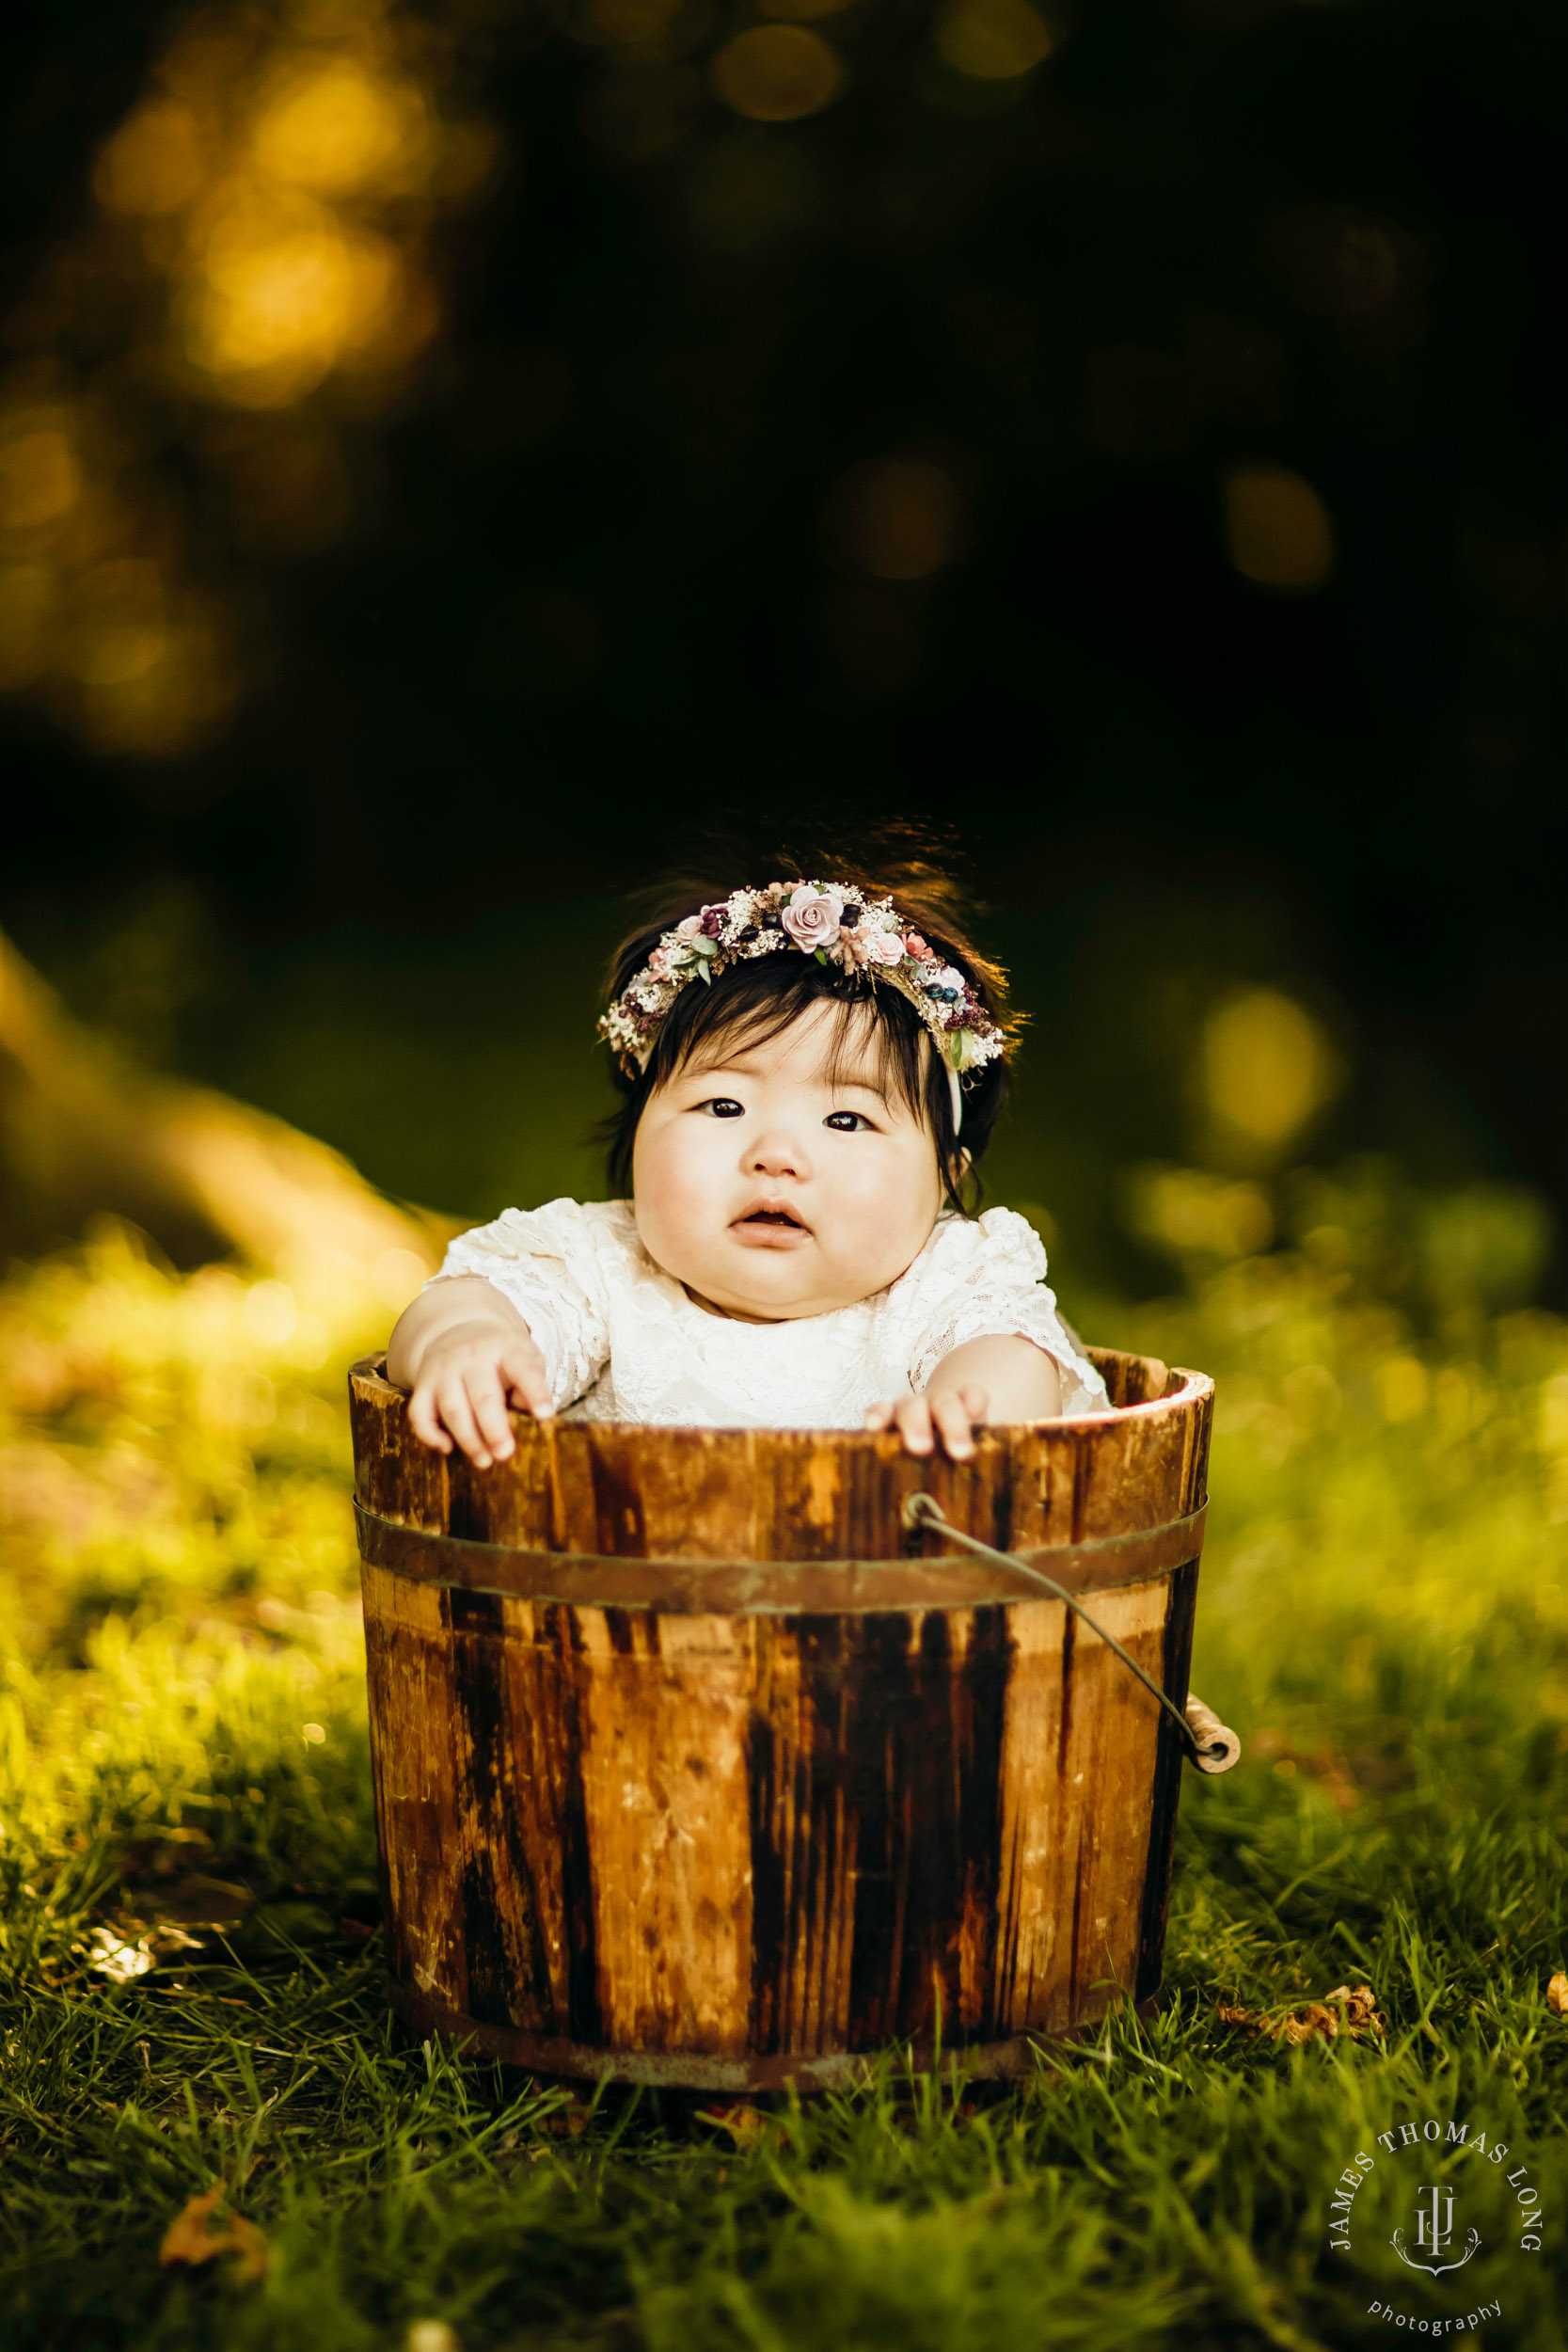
(1435, 2234)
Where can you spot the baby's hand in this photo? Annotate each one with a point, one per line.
(465, 1355)
(921, 1421)
(469, 1377)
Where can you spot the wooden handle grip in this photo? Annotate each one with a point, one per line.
(1218, 1745)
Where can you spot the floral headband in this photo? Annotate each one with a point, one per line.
(836, 925)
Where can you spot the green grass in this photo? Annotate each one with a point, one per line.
(183, 1755)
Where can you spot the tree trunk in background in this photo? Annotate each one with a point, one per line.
(85, 1130)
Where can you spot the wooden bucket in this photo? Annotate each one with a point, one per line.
(693, 1765)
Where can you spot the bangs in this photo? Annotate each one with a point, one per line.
(872, 1037)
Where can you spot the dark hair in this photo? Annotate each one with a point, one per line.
(758, 997)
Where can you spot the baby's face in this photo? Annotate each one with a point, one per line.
(773, 1193)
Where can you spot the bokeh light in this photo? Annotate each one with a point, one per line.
(259, 232)
(341, 130)
(284, 296)
(777, 72)
(1277, 529)
(993, 40)
(1190, 1213)
(1268, 1069)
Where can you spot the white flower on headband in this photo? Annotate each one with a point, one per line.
(813, 916)
(865, 937)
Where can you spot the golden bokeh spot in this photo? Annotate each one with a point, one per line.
(1402, 1387)
(993, 40)
(897, 519)
(1277, 529)
(1192, 1213)
(162, 704)
(1268, 1069)
(40, 480)
(155, 162)
(285, 300)
(251, 213)
(340, 130)
(777, 74)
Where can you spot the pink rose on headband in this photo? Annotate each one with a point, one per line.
(688, 926)
(918, 948)
(812, 917)
(884, 947)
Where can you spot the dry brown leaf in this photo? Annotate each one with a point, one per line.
(1557, 1995)
(745, 2125)
(1362, 2011)
(192, 2237)
(1341, 2011)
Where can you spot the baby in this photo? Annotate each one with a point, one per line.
(811, 1072)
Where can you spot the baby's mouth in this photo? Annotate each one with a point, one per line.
(782, 1220)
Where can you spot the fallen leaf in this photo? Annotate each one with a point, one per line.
(1557, 1995)
(1362, 2014)
(192, 2236)
(745, 2124)
(1341, 2011)
(118, 1960)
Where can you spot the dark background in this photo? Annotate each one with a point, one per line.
(595, 585)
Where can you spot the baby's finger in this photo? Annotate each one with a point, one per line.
(880, 1416)
(976, 1402)
(458, 1414)
(425, 1421)
(523, 1369)
(488, 1400)
(913, 1418)
(951, 1416)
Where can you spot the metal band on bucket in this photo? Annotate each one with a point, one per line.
(591, 1580)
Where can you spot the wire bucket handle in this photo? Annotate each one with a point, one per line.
(1207, 1742)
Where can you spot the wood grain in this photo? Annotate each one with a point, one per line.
(741, 1848)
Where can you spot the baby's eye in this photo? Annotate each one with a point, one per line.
(846, 1122)
(723, 1107)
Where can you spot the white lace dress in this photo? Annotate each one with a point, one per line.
(622, 1342)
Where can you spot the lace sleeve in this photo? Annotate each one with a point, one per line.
(985, 1279)
(545, 1262)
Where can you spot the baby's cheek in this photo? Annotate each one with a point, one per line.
(884, 1216)
(674, 1190)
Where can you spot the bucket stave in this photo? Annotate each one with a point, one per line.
(695, 1764)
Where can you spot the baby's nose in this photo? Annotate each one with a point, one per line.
(777, 1155)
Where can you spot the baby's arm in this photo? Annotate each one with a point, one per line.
(467, 1353)
(992, 1379)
